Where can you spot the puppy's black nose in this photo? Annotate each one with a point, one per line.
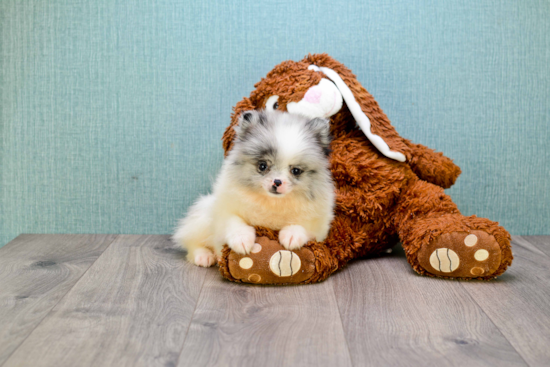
(277, 183)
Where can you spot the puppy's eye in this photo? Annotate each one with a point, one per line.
(296, 171)
(272, 103)
(262, 166)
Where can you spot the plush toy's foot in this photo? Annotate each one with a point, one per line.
(270, 263)
(474, 254)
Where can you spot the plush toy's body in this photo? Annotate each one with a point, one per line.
(387, 189)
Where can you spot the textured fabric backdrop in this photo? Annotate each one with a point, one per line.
(112, 111)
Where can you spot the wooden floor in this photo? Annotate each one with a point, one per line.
(122, 300)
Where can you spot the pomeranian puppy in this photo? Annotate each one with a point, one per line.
(276, 176)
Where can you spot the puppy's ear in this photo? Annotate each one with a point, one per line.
(321, 129)
(246, 120)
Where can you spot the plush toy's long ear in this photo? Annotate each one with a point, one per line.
(369, 116)
(230, 134)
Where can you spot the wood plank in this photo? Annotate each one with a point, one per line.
(518, 302)
(394, 317)
(246, 325)
(132, 308)
(540, 242)
(36, 271)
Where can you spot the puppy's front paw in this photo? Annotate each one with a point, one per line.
(204, 257)
(241, 239)
(293, 237)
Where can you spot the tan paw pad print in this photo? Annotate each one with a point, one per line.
(284, 263)
(246, 263)
(444, 260)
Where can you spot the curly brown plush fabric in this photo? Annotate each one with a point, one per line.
(379, 200)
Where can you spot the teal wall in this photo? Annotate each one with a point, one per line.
(112, 111)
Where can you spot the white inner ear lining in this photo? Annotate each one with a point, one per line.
(325, 100)
(358, 114)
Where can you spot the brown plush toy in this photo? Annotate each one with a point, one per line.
(387, 189)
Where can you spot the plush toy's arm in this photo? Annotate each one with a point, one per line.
(432, 166)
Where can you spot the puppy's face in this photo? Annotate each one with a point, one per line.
(278, 154)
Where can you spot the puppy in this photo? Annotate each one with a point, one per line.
(276, 176)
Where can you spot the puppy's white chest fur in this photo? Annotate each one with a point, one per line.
(271, 212)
